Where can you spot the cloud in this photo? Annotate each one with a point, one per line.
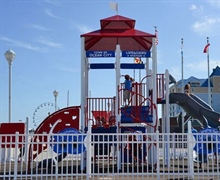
(206, 25)
(48, 42)
(193, 7)
(175, 72)
(49, 13)
(23, 44)
(214, 3)
(197, 11)
(81, 28)
(38, 27)
(201, 68)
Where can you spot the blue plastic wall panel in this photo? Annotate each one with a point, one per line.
(128, 109)
(143, 118)
(103, 130)
(129, 114)
(132, 66)
(102, 66)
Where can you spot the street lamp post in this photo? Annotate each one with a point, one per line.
(9, 55)
(55, 93)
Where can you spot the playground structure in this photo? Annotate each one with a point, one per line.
(62, 132)
(116, 39)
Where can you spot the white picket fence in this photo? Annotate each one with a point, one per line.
(110, 156)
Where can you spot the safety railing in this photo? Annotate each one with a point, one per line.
(101, 111)
(119, 156)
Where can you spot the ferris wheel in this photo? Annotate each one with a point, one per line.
(42, 111)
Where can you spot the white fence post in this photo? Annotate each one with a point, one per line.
(89, 149)
(16, 155)
(158, 154)
(190, 149)
(174, 146)
(26, 140)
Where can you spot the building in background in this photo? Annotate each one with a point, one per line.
(199, 87)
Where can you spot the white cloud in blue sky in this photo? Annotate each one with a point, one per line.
(195, 8)
(207, 25)
(38, 27)
(49, 42)
(25, 45)
(214, 3)
(50, 13)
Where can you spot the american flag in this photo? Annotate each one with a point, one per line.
(206, 49)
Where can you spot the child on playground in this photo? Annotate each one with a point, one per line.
(187, 89)
(127, 89)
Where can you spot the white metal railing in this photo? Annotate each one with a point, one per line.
(113, 156)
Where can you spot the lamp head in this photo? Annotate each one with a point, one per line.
(9, 55)
(55, 93)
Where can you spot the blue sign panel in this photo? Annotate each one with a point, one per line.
(99, 54)
(70, 143)
(136, 54)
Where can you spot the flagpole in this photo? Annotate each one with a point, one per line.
(209, 90)
(156, 34)
(68, 97)
(182, 82)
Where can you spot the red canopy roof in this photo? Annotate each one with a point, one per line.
(117, 30)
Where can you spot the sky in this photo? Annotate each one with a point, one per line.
(45, 35)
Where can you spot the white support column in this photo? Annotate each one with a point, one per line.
(118, 75)
(83, 93)
(167, 119)
(147, 68)
(167, 113)
(150, 86)
(153, 150)
(118, 118)
(154, 75)
(86, 78)
(83, 84)
(89, 149)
